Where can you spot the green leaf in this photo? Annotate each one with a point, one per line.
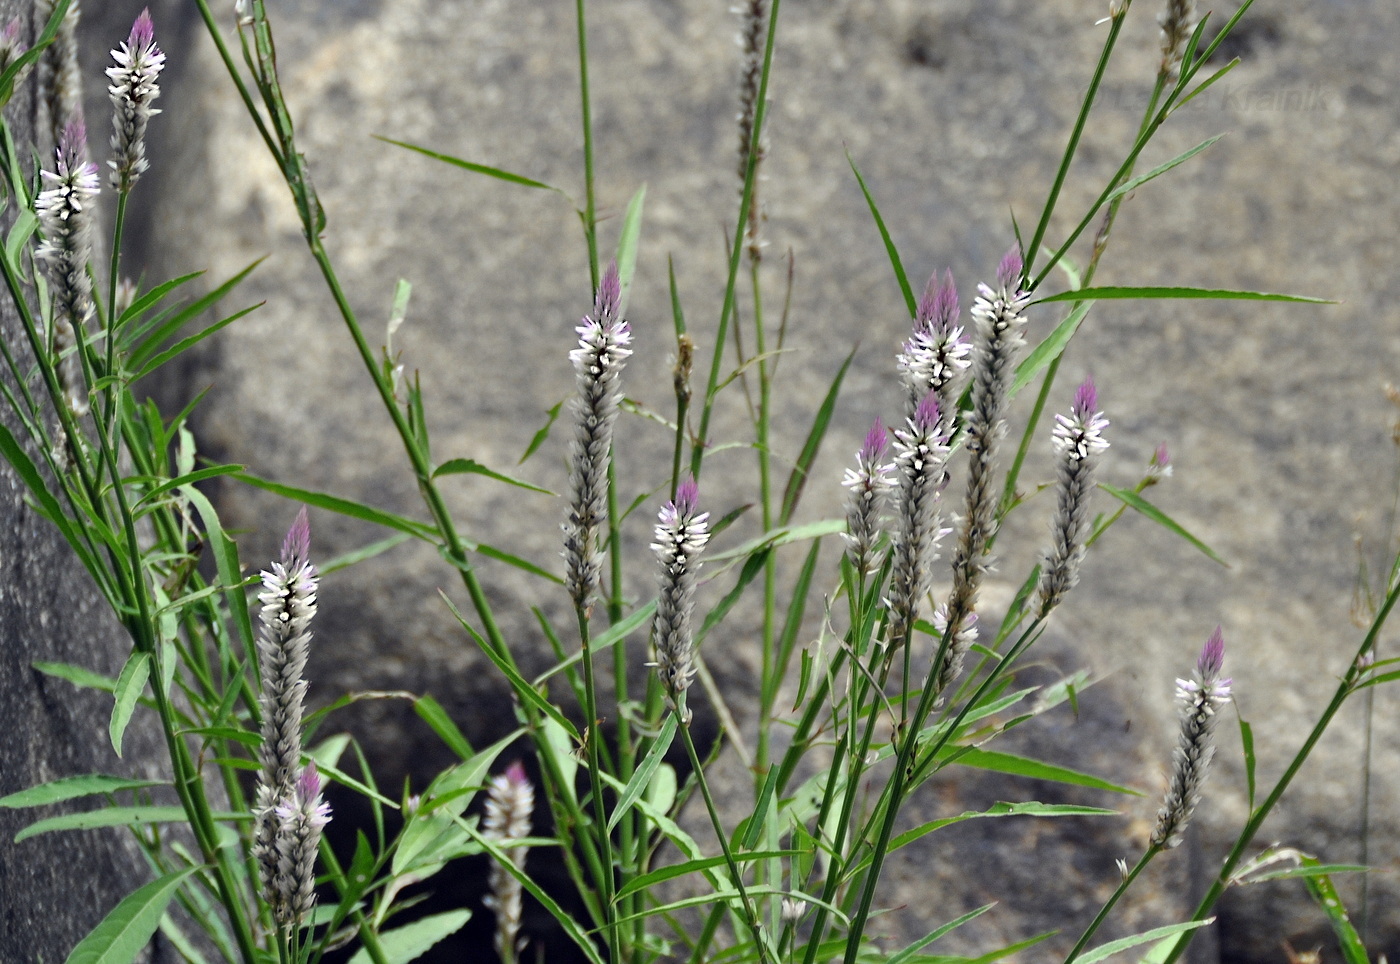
(228, 567)
(1319, 883)
(1132, 185)
(890, 249)
(346, 507)
(353, 557)
(115, 817)
(71, 788)
(522, 687)
(1034, 769)
(495, 172)
(457, 784)
(126, 930)
(798, 478)
(465, 466)
(24, 467)
(695, 866)
(185, 344)
(542, 434)
(188, 479)
(1213, 294)
(130, 685)
(938, 932)
(1247, 743)
(1136, 502)
(571, 927)
(436, 717)
(1049, 349)
(641, 778)
(408, 943)
(627, 247)
(781, 537)
(78, 676)
(1147, 937)
(26, 223)
(166, 327)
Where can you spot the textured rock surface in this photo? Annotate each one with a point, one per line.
(56, 887)
(955, 110)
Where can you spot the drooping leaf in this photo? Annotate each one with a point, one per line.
(126, 930)
(410, 942)
(71, 788)
(466, 466)
(1136, 502)
(130, 685)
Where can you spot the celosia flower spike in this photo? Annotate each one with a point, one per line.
(12, 48)
(598, 363)
(999, 319)
(288, 605)
(60, 77)
(1078, 441)
(1200, 699)
(301, 815)
(869, 483)
(921, 452)
(1160, 465)
(752, 41)
(138, 65)
(510, 800)
(681, 534)
(65, 212)
(936, 354)
(1177, 20)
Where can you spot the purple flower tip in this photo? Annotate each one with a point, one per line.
(939, 304)
(11, 31)
(515, 773)
(1212, 655)
(297, 546)
(1162, 458)
(609, 292)
(73, 142)
(143, 31)
(309, 783)
(945, 303)
(926, 415)
(877, 442)
(1009, 271)
(687, 496)
(1086, 398)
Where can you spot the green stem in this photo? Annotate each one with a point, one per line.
(750, 915)
(590, 218)
(1344, 689)
(1122, 889)
(736, 249)
(595, 780)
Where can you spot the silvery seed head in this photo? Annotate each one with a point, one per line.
(869, 483)
(998, 337)
(12, 47)
(1200, 699)
(300, 817)
(1078, 441)
(681, 534)
(752, 41)
(1177, 20)
(134, 88)
(510, 800)
(598, 363)
(61, 78)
